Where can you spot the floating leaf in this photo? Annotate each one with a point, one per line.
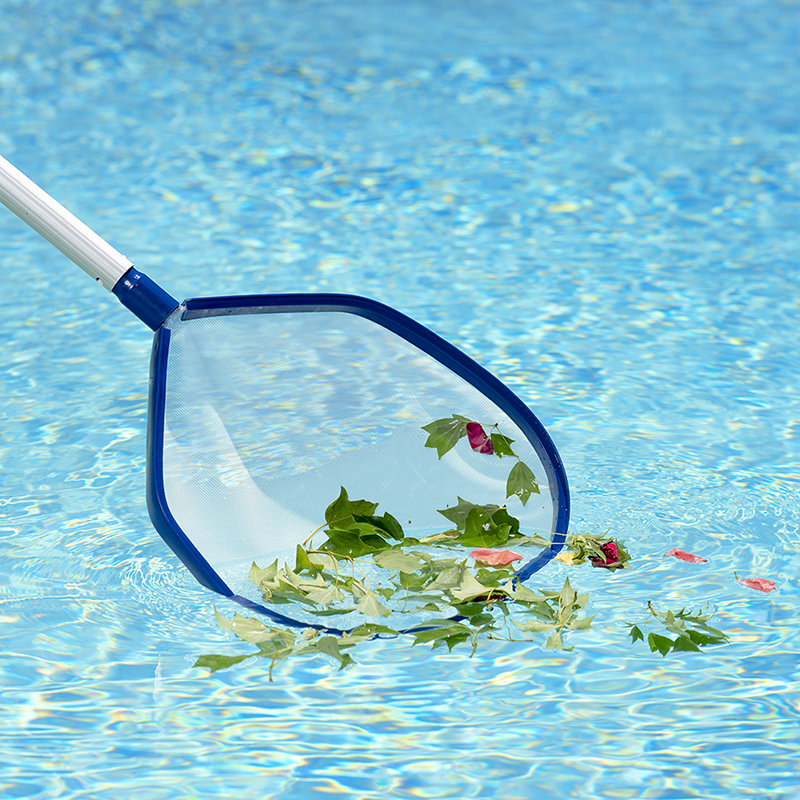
(329, 645)
(660, 643)
(581, 600)
(303, 563)
(411, 580)
(502, 445)
(328, 612)
(241, 626)
(502, 517)
(289, 578)
(692, 631)
(480, 530)
(567, 596)
(535, 626)
(445, 536)
(448, 629)
(353, 544)
(445, 433)
(372, 629)
(700, 638)
(759, 584)
(339, 514)
(397, 560)
(554, 642)
(446, 579)
(635, 633)
(452, 641)
(684, 556)
(492, 576)
(370, 606)
(521, 482)
(458, 514)
(323, 560)
(568, 558)
(386, 525)
(470, 588)
(478, 440)
(684, 644)
(521, 592)
(280, 644)
(265, 575)
(326, 596)
(215, 663)
(583, 624)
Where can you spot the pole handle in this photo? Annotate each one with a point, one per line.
(79, 243)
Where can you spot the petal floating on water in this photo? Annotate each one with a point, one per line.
(760, 584)
(691, 558)
(494, 558)
(478, 440)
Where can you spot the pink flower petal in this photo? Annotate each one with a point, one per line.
(478, 440)
(684, 556)
(760, 584)
(494, 558)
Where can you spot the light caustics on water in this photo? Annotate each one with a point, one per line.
(597, 203)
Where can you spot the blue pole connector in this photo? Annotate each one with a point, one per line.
(145, 298)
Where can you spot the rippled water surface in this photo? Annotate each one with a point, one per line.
(598, 201)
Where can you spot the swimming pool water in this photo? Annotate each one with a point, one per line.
(598, 201)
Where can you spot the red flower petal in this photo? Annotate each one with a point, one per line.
(478, 440)
(610, 556)
(684, 556)
(761, 584)
(494, 558)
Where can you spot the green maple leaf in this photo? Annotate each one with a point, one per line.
(304, 564)
(215, 663)
(661, 643)
(443, 434)
(329, 645)
(370, 606)
(480, 530)
(458, 514)
(636, 634)
(386, 525)
(521, 482)
(470, 587)
(502, 445)
(339, 514)
(398, 561)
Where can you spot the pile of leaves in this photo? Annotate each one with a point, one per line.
(366, 565)
(434, 589)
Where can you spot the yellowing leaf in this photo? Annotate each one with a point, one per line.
(395, 559)
(370, 606)
(567, 595)
(521, 592)
(470, 588)
(214, 663)
(447, 579)
(325, 597)
(260, 576)
(535, 626)
(568, 558)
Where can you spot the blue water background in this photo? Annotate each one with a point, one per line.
(598, 201)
